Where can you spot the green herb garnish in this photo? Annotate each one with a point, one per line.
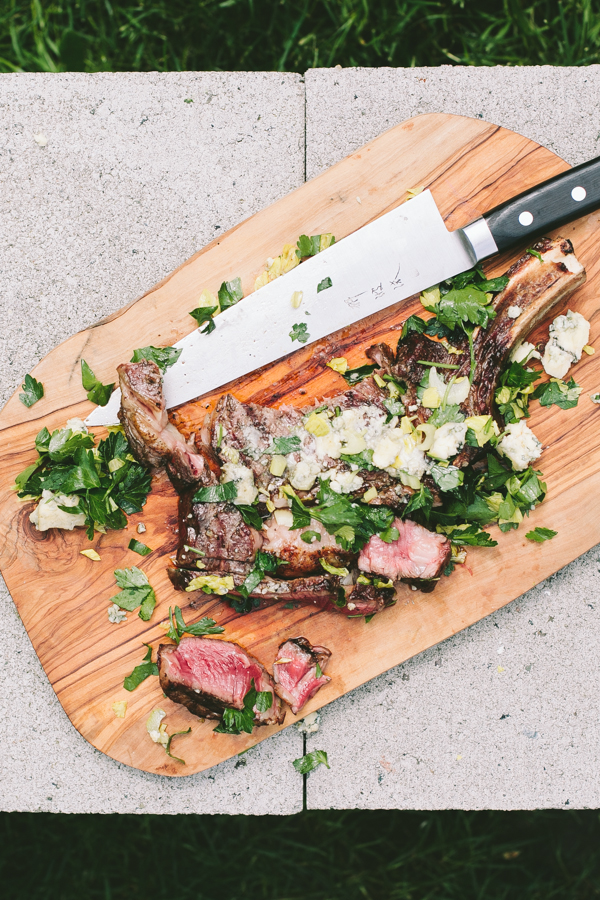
(237, 720)
(230, 293)
(413, 325)
(535, 253)
(108, 482)
(324, 285)
(556, 393)
(168, 744)
(178, 627)
(205, 314)
(309, 537)
(33, 390)
(141, 672)
(308, 246)
(539, 535)
(138, 547)
(300, 333)
(216, 493)
(135, 591)
(311, 761)
(164, 357)
(96, 391)
(354, 376)
(281, 446)
(250, 515)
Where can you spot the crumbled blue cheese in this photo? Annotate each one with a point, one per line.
(47, 513)
(77, 426)
(309, 724)
(243, 477)
(568, 336)
(303, 473)
(513, 312)
(116, 614)
(448, 440)
(519, 445)
(345, 482)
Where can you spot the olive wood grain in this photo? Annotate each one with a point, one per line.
(62, 597)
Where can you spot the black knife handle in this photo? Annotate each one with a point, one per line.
(547, 206)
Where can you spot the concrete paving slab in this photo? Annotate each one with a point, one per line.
(558, 107)
(108, 182)
(504, 715)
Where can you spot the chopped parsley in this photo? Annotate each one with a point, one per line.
(164, 357)
(311, 761)
(141, 672)
(556, 393)
(168, 744)
(413, 325)
(281, 446)
(535, 253)
(309, 537)
(354, 376)
(237, 720)
(230, 293)
(135, 591)
(33, 390)
(324, 285)
(250, 515)
(470, 535)
(539, 535)
(96, 391)
(364, 459)
(138, 547)
(421, 500)
(216, 493)
(515, 388)
(300, 333)
(309, 246)
(204, 314)
(107, 480)
(178, 627)
(264, 564)
(350, 522)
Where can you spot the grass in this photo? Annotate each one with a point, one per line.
(352, 855)
(293, 35)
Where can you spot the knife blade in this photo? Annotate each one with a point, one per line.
(392, 258)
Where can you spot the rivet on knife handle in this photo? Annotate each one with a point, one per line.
(547, 206)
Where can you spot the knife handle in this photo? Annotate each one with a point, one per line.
(547, 206)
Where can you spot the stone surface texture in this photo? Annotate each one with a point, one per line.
(449, 729)
(124, 181)
(111, 181)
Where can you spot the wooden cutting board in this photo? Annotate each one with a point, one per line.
(62, 597)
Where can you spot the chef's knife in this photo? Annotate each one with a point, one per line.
(399, 254)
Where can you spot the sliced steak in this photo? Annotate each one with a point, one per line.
(300, 558)
(295, 671)
(154, 441)
(416, 555)
(216, 531)
(209, 676)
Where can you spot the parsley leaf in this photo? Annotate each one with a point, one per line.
(96, 391)
(309, 537)
(311, 761)
(216, 493)
(539, 535)
(354, 376)
(141, 672)
(230, 293)
(135, 591)
(535, 253)
(447, 479)
(250, 515)
(168, 744)
(164, 357)
(281, 446)
(178, 627)
(308, 246)
(413, 325)
(421, 499)
(557, 393)
(33, 390)
(389, 535)
(237, 720)
(324, 285)
(468, 305)
(204, 314)
(300, 333)
(471, 536)
(138, 547)
(364, 459)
